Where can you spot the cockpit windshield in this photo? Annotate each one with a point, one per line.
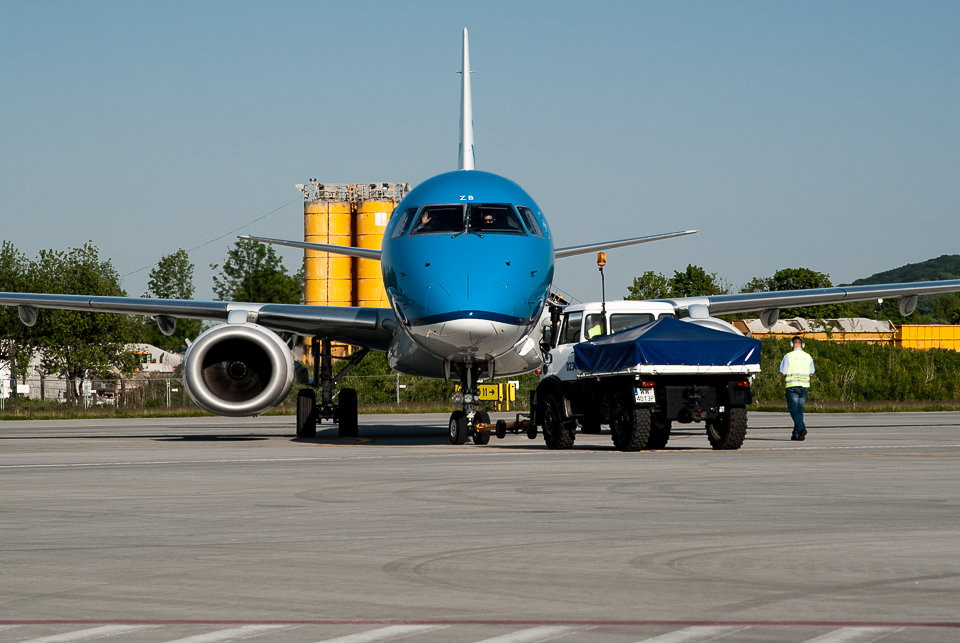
(437, 219)
(494, 218)
(478, 218)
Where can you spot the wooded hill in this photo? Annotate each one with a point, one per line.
(931, 309)
(943, 267)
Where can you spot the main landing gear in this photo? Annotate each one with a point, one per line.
(310, 411)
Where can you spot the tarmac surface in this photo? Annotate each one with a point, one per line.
(216, 529)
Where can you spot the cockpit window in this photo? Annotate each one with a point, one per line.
(530, 220)
(493, 218)
(481, 218)
(438, 219)
(405, 218)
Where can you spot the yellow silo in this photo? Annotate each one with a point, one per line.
(328, 278)
(372, 217)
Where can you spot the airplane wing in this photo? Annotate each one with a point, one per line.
(593, 247)
(363, 253)
(772, 302)
(369, 253)
(367, 327)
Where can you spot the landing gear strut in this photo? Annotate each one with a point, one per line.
(462, 422)
(310, 410)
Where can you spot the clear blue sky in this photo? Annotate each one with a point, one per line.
(821, 134)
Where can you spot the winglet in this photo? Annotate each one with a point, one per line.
(466, 109)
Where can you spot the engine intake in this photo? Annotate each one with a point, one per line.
(238, 369)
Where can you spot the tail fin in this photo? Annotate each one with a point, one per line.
(467, 158)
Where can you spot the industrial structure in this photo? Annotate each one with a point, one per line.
(354, 214)
(858, 329)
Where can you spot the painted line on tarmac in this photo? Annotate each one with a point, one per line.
(876, 446)
(855, 635)
(697, 633)
(499, 452)
(490, 621)
(385, 633)
(534, 634)
(151, 463)
(231, 634)
(93, 633)
(862, 450)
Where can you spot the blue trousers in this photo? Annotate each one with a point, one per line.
(796, 398)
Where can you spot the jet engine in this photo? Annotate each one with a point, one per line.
(238, 369)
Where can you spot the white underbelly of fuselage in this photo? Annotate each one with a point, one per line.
(480, 337)
(429, 350)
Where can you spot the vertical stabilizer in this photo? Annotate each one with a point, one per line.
(466, 109)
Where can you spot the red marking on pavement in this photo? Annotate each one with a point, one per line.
(468, 621)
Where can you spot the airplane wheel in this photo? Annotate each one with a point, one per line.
(729, 432)
(347, 413)
(306, 413)
(458, 427)
(501, 429)
(481, 437)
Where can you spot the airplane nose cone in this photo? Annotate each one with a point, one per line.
(452, 288)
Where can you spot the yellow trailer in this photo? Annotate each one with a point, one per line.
(924, 336)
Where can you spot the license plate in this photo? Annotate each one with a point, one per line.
(644, 395)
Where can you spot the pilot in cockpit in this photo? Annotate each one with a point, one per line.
(424, 221)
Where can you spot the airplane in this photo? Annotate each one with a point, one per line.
(468, 262)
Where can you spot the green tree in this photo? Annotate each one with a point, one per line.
(758, 284)
(649, 285)
(946, 309)
(254, 272)
(13, 270)
(75, 344)
(800, 279)
(694, 281)
(172, 278)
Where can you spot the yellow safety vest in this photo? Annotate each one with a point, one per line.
(799, 367)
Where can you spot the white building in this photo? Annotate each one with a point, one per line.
(154, 362)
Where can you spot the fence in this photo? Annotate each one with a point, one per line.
(169, 392)
(132, 393)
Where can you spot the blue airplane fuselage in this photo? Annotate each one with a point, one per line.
(467, 263)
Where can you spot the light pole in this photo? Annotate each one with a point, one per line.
(601, 262)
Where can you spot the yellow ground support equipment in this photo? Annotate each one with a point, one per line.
(924, 336)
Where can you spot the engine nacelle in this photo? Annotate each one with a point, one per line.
(714, 323)
(238, 369)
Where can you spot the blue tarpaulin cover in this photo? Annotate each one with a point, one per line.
(666, 341)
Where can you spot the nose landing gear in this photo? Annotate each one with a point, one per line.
(464, 423)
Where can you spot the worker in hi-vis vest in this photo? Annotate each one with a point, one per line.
(797, 369)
